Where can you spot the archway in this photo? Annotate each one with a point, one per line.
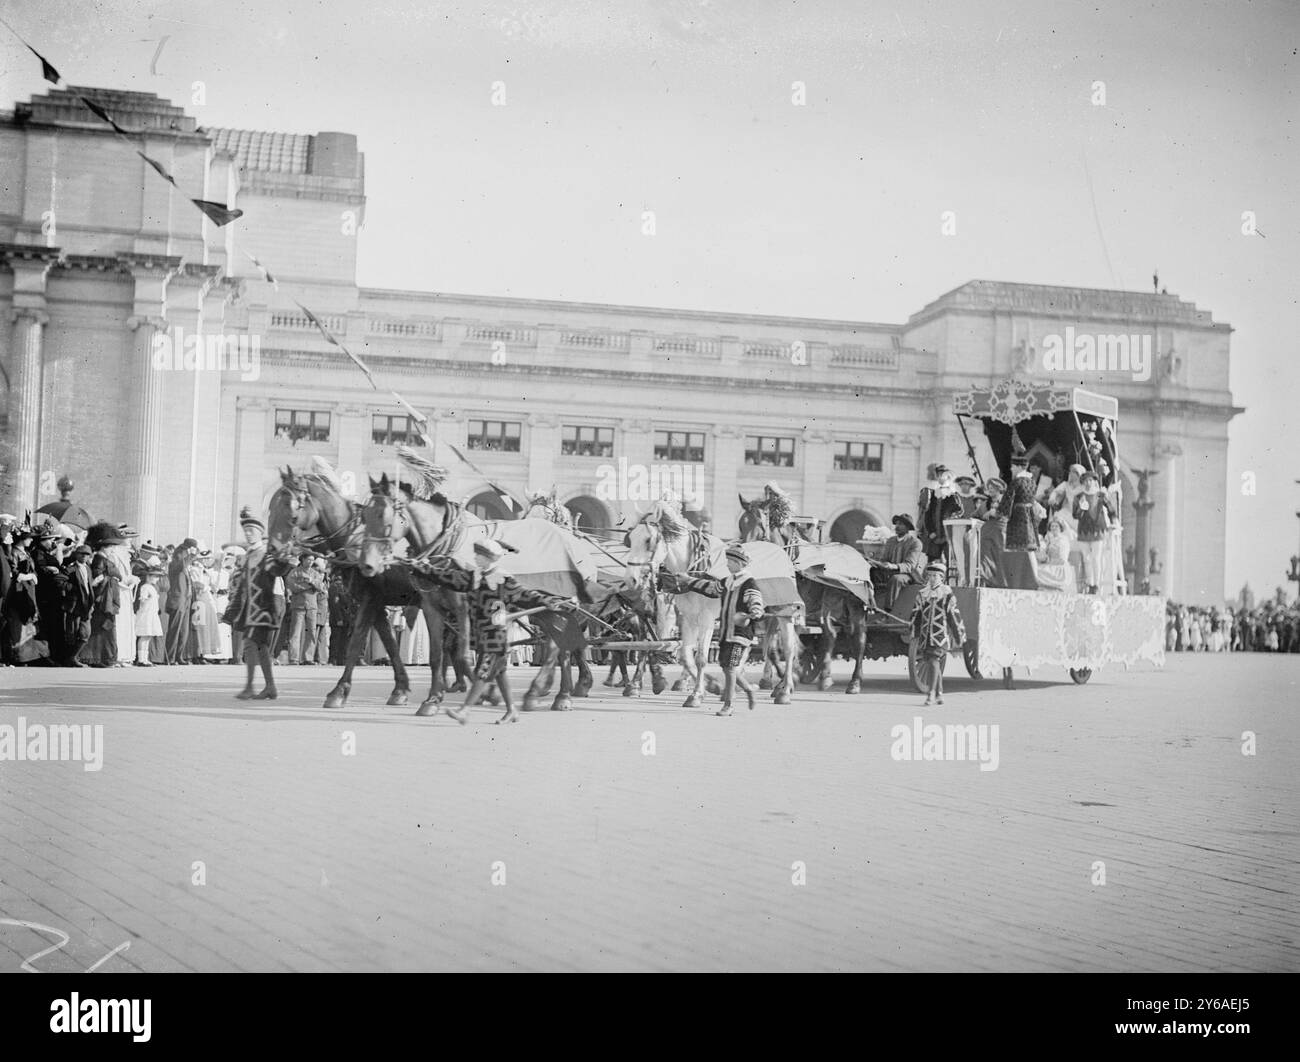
(848, 526)
(589, 514)
(487, 505)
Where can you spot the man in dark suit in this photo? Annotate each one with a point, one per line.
(78, 604)
(904, 561)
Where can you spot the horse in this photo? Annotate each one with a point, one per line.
(309, 512)
(429, 530)
(777, 637)
(840, 614)
(662, 538)
(543, 506)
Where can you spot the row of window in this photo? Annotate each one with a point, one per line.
(576, 440)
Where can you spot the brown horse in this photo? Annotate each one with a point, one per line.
(842, 616)
(309, 513)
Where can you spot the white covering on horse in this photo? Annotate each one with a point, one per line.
(838, 565)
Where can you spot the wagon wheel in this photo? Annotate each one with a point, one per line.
(1080, 674)
(919, 669)
(970, 654)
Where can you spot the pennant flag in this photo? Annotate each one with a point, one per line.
(420, 417)
(265, 272)
(47, 68)
(217, 212)
(515, 506)
(103, 115)
(329, 338)
(159, 169)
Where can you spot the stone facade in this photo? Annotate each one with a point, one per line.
(99, 275)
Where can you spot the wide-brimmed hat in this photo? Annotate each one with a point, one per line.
(82, 549)
(189, 543)
(965, 479)
(127, 531)
(903, 518)
(103, 534)
(237, 549)
(994, 483)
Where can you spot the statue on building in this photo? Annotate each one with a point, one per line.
(1171, 365)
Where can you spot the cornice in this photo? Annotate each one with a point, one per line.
(29, 255)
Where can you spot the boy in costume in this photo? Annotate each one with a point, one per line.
(936, 626)
(742, 606)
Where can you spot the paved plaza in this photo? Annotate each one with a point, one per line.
(635, 835)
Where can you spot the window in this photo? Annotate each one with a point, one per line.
(769, 450)
(859, 457)
(679, 446)
(296, 425)
(499, 435)
(581, 441)
(389, 431)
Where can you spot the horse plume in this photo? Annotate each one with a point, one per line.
(429, 477)
(325, 470)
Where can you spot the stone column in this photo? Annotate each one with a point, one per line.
(816, 470)
(543, 448)
(728, 458)
(250, 455)
(1169, 453)
(29, 324)
(144, 429)
(352, 430)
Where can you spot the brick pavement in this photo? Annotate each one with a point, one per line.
(615, 860)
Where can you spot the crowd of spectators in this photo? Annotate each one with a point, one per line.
(1270, 628)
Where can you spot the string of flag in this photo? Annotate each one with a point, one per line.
(221, 215)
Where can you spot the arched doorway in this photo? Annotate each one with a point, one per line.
(848, 526)
(488, 505)
(589, 514)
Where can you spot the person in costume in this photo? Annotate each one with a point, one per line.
(742, 607)
(936, 626)
(966, 497)
(1020, 515)
(779, 506)
(1054, 570)
(1094, 513)
(490, 595)
(945, 504)
(257, 607)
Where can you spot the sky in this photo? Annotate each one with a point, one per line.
(831, 209)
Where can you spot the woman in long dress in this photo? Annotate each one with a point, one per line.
(221, 599)
(205, 609)
(120, 557)
(1054, 569)
(415, 640)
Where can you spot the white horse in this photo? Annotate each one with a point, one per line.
(661, 538)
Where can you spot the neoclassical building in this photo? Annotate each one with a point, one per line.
(148, 357)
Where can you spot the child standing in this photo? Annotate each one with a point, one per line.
(490, 593)
(147, 623)
(936, 627)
